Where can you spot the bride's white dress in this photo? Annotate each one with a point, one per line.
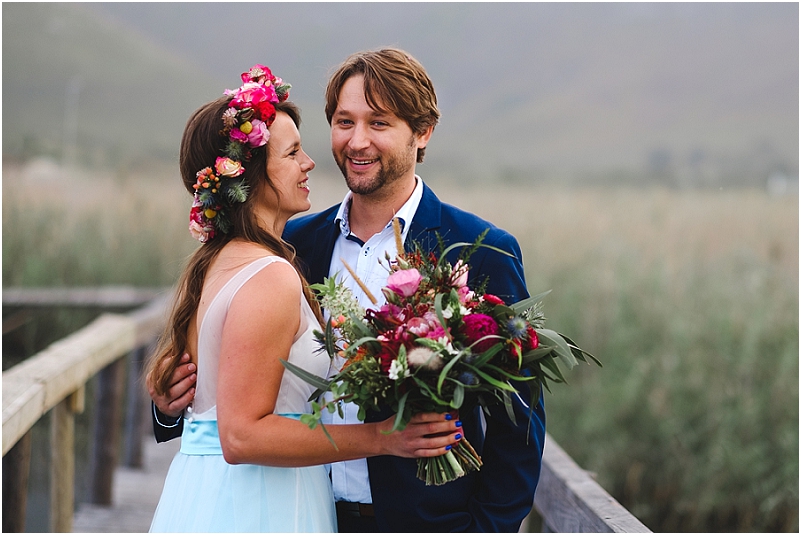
(203, 493)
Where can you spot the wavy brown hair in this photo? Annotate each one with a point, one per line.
(394, 78)
(200, 146)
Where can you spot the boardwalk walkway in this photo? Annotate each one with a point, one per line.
(136, 494)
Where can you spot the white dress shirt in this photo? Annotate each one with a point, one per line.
(350, 478)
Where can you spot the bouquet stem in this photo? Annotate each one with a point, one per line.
(457, 462)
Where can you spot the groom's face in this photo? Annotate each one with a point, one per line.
(373, 148)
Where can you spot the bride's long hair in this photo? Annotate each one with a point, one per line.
(200, 145)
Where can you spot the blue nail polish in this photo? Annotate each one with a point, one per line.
(448, 416)
(458, 436)
(458, 423)
(448, 447)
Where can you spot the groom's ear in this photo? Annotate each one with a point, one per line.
(422, 139)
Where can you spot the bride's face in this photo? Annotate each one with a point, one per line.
(288, 167)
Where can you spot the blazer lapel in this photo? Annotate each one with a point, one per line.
(426, 220)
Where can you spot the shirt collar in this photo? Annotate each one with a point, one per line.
(406, 212)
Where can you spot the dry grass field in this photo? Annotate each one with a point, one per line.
(690, 299)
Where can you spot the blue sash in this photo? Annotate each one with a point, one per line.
(201, 437)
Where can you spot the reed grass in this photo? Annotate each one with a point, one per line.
(690, 299)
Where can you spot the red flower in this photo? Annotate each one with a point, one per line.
(477, 326)
(493, 300)
(533, 340)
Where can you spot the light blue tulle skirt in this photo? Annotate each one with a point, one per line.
(203, 493)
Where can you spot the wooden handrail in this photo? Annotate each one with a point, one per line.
(39, 383)
(55, 379)
(103, 297)
(570, 501)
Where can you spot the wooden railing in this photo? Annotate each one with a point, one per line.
(568, 499)
(55, 380)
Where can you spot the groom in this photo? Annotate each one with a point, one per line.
(382, 109)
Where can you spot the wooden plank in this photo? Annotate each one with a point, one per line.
(571, 501)
(104, 296)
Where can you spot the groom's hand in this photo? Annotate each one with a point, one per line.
(181, 392)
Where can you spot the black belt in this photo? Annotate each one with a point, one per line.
(355, 509)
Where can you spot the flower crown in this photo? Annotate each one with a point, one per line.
(245, 122)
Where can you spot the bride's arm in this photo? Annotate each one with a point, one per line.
(259, 330)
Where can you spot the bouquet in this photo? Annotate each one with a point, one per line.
(432, 347)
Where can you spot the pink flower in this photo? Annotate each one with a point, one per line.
(198, 228)
(465, 294)
(404, 282)
(418, 326)
(258, 97)
(437, 333)
(228, 167)
(259, 135)
(477, 326)
(238, 135)
(257, 73)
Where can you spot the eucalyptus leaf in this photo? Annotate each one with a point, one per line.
(562, 350)
(310, 378)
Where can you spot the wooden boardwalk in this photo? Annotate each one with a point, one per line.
(136, 494)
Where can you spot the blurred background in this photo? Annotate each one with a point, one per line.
(644, 154)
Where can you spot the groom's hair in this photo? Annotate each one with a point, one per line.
(393, 81)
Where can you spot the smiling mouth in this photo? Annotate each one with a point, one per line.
(362, 161)
(304, 184)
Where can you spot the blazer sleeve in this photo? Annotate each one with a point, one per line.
(512, 451)
(164, 427)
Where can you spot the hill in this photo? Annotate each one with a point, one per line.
(683, 93)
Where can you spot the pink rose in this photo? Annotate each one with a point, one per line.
(259, 135)
(404, 282)
(228, 167)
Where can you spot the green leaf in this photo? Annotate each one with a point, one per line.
(399, 424)
(330, 346)
(560, 346)
(507, 403)
(444, 372)
(310, 378)
(491, 380)
(458, 395)
(440, 317)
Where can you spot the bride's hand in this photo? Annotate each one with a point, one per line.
(426, 435)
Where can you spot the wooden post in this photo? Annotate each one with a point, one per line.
(137, 414)
(62, 461)
(107, 432)
(16, 469)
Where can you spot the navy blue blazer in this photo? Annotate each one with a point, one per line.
(500, 495)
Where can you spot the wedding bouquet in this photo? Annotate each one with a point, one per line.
(432, 347)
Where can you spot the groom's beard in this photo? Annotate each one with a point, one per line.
(392, 167)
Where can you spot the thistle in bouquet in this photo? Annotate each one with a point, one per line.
(435, 345)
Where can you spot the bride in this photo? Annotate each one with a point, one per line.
(246, 463)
